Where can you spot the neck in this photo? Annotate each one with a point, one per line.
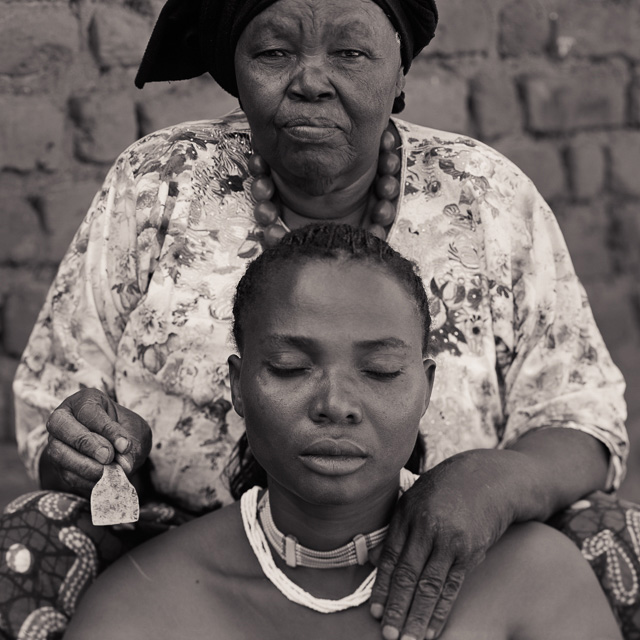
(326, 527)
(332, 203)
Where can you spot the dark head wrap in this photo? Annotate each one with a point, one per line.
(192, 37)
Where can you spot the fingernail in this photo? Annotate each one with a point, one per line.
(406, 637)
(377, 611)
(431, 634)
(122, 444)
(125, 463)
(102, 455)
(390, 633)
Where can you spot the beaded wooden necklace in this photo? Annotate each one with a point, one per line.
(381, 215)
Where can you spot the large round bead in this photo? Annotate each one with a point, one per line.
(263, 189)
(387, 141)
(388, 164)
(387, 188)
(378, 231)
(383, 213)
(258, 165)
(265, 212)
(273, 234)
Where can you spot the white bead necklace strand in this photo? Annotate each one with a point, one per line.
(290, 590)
(297, 555)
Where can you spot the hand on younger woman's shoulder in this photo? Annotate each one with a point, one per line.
(533, 584)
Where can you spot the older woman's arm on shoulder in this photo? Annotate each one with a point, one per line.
(564, 403)
(73, 344)
(564, 434)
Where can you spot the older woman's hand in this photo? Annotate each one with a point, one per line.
(87, 431)
(442, 528)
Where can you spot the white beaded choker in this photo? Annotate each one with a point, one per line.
(297, 555)
(290, 590)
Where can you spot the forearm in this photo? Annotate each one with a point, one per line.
(554, 468)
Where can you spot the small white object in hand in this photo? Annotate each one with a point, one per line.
(114, 499)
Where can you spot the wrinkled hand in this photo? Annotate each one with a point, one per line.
(89, 430)
(442, 528)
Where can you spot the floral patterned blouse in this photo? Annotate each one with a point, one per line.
(141, 305)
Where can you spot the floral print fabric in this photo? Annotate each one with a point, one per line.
(141, 305)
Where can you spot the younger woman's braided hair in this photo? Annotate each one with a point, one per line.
(327, 242)
(317, 242)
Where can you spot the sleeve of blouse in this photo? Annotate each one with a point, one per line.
(99, 281)
(557, 371)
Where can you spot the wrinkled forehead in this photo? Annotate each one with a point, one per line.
(359, 14)
(359, 18)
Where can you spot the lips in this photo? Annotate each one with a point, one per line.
(335, 448)
(309, 130)
(323, 123)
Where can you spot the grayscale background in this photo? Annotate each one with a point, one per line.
(553, 84)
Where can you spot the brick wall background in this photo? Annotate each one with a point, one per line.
(553, 84)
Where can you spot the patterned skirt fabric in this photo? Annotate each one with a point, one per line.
(50, 553)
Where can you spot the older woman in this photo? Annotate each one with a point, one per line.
(527, 414)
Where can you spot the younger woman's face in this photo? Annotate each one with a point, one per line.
(332, 381)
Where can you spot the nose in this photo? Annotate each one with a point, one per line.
(311, 82)
(335, 402)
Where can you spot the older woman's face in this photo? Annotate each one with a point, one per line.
(317, 80)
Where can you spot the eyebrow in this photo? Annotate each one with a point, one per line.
(356, 29)
(383, 343)
(302, 342)
(282, 340)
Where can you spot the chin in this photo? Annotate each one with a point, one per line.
(314, 184)
(315, 171)
(331, 497)
(333, 491)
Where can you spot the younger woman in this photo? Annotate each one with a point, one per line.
(332, 378)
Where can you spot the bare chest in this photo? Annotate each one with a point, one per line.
(231, 608)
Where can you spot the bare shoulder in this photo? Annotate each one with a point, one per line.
(577, 607)
(152, 588)
(541, 587)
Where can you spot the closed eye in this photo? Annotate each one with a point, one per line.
(287, 372)
(383, 375)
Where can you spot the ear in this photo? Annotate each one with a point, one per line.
(401, 80)
(429, 372)
(235, 366)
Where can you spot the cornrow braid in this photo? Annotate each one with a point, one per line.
(327, 242)
(317, 242)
